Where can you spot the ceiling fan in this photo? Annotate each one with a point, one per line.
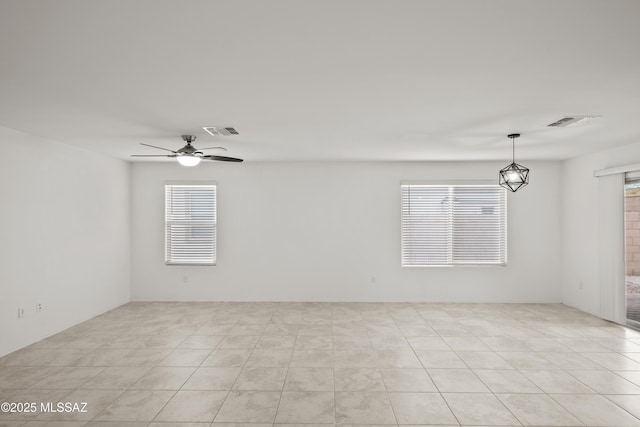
(189, 155)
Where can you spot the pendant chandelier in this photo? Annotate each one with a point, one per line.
(514, 176)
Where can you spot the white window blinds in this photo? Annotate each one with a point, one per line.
(453, 225)
(190, 224)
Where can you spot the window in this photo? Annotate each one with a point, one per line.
(190, 224)
(453, 225)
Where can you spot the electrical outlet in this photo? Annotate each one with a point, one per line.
(39, 306)
(20, 312)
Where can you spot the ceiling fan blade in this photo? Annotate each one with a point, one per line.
(222, 158)
(160, 148)
(153, 155)
(212, 148)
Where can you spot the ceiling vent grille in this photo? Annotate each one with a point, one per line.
(220, 130)
(572, 121)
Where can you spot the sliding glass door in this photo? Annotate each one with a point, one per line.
(632, 247)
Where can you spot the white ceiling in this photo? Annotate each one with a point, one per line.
(325, 79)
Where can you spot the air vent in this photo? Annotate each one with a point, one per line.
(220, 130)
(572, 121)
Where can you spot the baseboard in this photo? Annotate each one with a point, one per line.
(430, 300)
(69, 325)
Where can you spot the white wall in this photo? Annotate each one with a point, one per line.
(580, 254)
(64, 236)
(321, 231)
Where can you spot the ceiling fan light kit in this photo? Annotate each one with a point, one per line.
(514, 176)
(189, 155)
(188, 160)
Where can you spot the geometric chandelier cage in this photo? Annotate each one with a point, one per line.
(514, 176)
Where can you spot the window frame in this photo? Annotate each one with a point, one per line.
(453, 183)
(214, 184)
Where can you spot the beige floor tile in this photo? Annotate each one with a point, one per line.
(136, 405)
(238, 342)
(410, 380)
(126, 342)
(397, 359)
(465, 344)
(526, 360)
(35, 423)
(180, 357)
(258, 378)
(103, 357)
(162, 341)
(358, 379)
(390, 342)
(116, 378)
(595, 410)
(270, 358)
(582, 344)
(314, 342)
(351, 341)
(192, 406)
(61, 357)
(275, 342)
(479, 409)
(630, 403)
(571, 361)
(457, 381)
(23, 357)
(428, 343)
(606, 382)
(418, 331)
(546, 345)
(556, 382)
(614, 361)
(68, 378)
(143, 357)
(295, 347)
(201, 342)
(212, 378)
(229, 358)
(354, 358)
(315, 329)
(483, 360)
(214, 328)
(309, 379)
(216, 424)
(421, 408)
(19, 377)
(281, 329)
(538, 410)
(363, 408)
(306, 407)
(249, 407)
(247, 329)
(506, 381)
(312, 359)
(502, 343)
(163, 378)
(440, 359)
(632, 376)
(176, 424)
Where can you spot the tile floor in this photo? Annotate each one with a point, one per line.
(271, 364)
